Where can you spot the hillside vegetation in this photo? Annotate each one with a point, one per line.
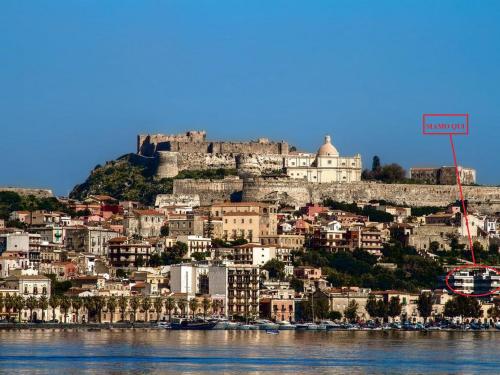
(125, 180)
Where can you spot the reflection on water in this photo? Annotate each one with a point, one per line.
(250, 352)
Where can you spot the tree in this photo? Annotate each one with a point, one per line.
(451, 309)
(135, 303)
(65, 304)
(394, 308)
(43, 303)
(351, 311)
(376, 164)
(493, 248)
(216, 306)
(494, 312)
(424, 305)
(170, 306)
(434, 246)
(382, 309)
(335, 315)
(181, 304)
(205, 304)
(89, 304)
(477, 247)
(297, 284)
(99, 304)
(371, 306)
(275, 268)
(122, 304)
(139, 261)
(193, 306)
(9, 303)
(146, 306)
(19, 304)
(111, 304)
(31, 304)
(158, 306)
(76, 304)
(54, 304)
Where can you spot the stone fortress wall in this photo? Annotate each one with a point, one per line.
(297, 193)
(191, 151)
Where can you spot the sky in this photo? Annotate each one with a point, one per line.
(80, 79)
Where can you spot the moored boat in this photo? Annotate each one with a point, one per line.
(192, 324)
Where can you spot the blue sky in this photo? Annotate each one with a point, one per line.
(79, 79)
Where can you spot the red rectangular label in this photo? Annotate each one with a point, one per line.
(444, 124)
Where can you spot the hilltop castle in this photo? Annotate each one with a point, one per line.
(171, 154)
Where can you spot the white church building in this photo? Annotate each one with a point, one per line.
(324, 166)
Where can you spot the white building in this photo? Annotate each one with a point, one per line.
(253, 254)
(189, 278)
(326, 166)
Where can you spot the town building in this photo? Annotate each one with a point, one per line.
(195, 244)
(278, 305)
(246, 220)
(128, 253)
(144, 223)
(239, 286)
(88, 239)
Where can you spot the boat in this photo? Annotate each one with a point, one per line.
(244, 327)
(272, 332)
(164, 325)
(325, 324)
(306, 326)
(284, 326)
(264, 324)
(192, 324)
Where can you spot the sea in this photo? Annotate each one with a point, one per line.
(147, 351)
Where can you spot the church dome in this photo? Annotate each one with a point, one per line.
(327, 148)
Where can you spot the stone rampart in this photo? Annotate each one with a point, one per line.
(210, 191)
(293, 192)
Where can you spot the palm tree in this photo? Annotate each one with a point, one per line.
(193, 306)
(89, 305)
(111, 306)
(9, 303)
(19, 304)
(65, 305)
(181, 304)
(54, 304)
(135, 302)
(99, 304)
(122, 304)
(205, 304)
(158, 305)
(31, 304)
(146, 305)
(170, 306)
(215, 306)
(77, 303)
(43, 303)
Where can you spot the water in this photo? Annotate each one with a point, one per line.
(247, 352)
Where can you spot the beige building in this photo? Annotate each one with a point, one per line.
(144, 223)
(288, 241)
(326, 166)
(247, 220)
